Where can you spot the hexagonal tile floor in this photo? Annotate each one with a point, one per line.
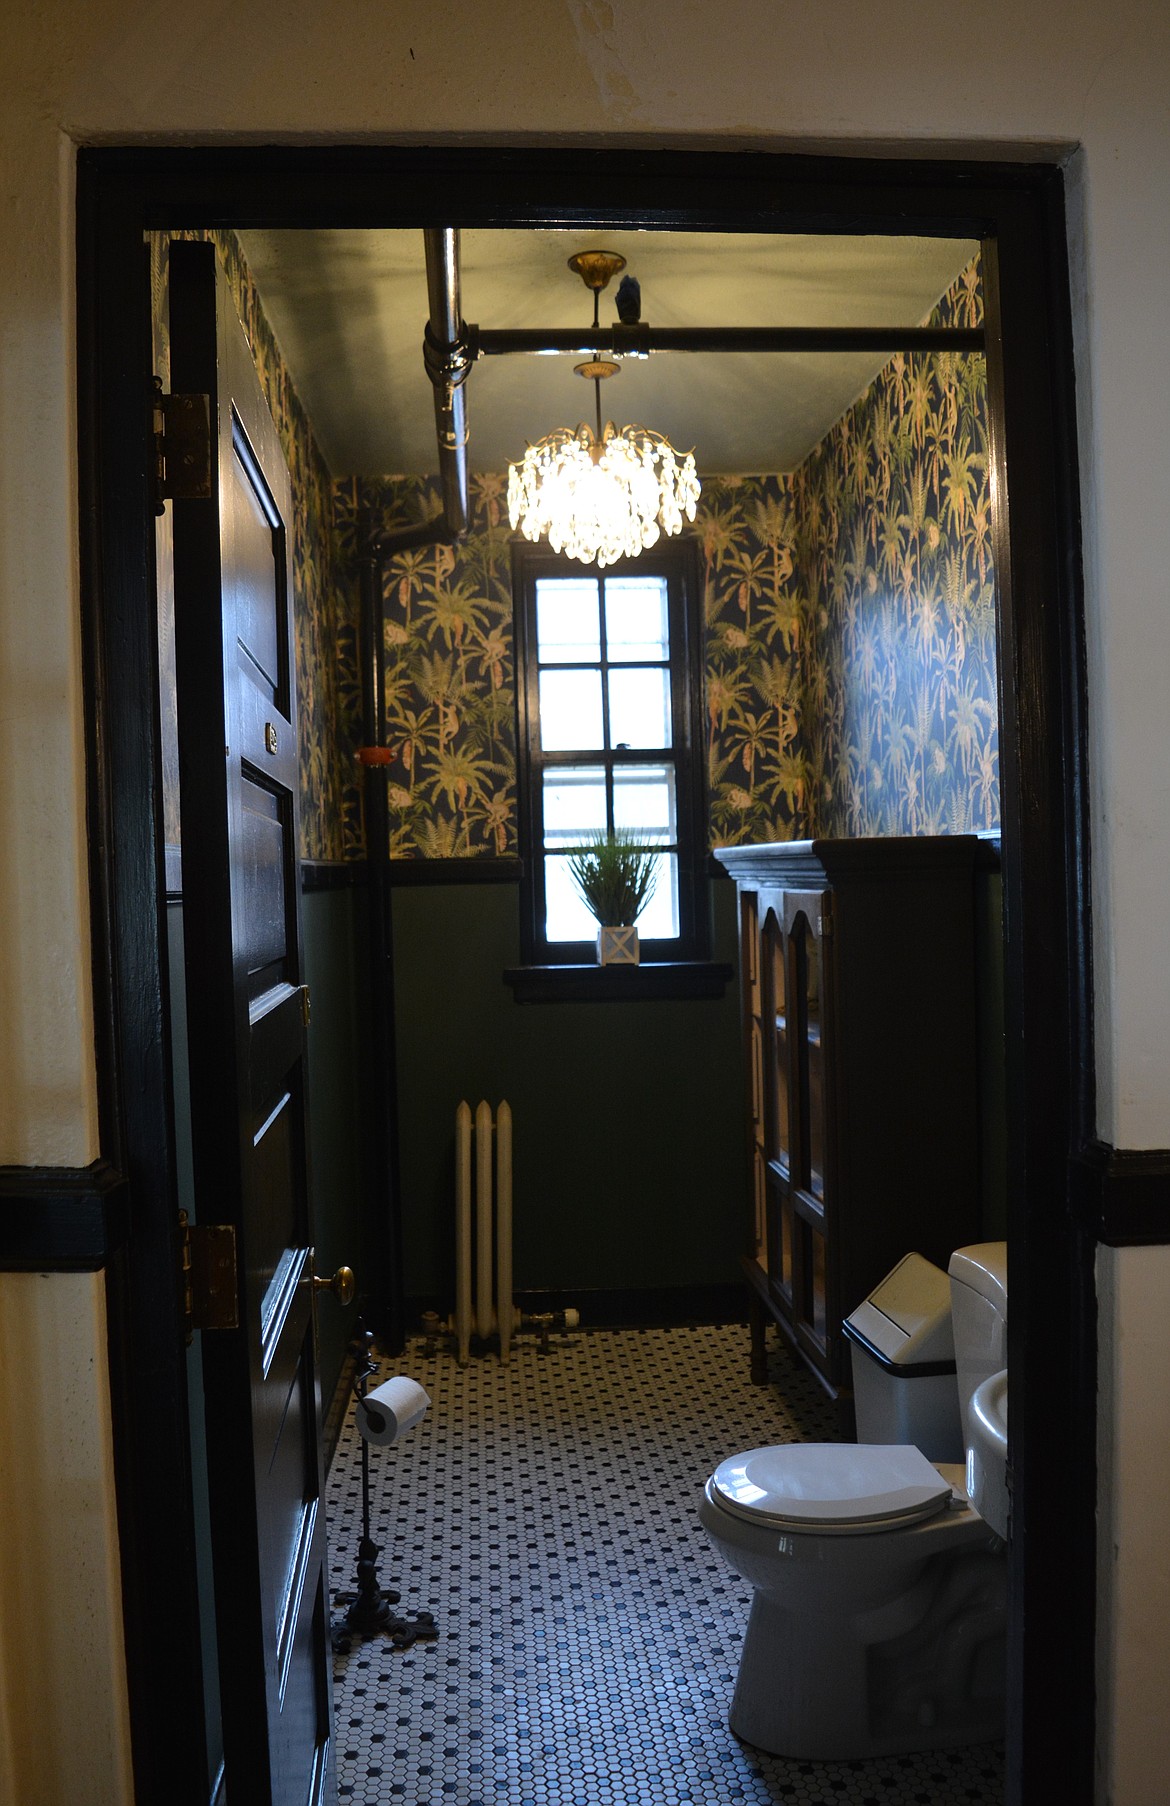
(589, 1634)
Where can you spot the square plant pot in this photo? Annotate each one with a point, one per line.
(617, 946)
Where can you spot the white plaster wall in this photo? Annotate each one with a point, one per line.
(1133, 1287)
(1021, 75)
(63, 1711)
(46, 1036)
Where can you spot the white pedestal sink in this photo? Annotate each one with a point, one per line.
(987, 1451)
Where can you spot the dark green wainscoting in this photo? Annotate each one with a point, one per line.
(629, 1138)
(341, 1102)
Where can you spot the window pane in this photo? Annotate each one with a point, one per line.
(659, 920)
(574, 804)
(566, 916)
(643, 799)
(636, 621)
(568, 627)
(570, 710)
(639, 708)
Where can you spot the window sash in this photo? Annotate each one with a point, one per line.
(678, 564)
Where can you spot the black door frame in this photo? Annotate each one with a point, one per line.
(1018, 212)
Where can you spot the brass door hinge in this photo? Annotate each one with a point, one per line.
(180, 428)
(306, 1006)
(207, 1257)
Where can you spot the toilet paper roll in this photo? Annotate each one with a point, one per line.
(391, 1409)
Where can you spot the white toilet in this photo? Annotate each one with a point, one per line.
(879, 1614)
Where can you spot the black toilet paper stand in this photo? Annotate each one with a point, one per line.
(369, 1608)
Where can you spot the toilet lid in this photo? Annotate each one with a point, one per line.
(827, 1487)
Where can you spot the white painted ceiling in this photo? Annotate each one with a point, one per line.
(348, 310)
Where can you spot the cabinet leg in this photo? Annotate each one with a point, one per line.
(757, 1324)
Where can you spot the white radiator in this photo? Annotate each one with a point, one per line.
(483, 1213)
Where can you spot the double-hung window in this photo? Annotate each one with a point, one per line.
(609, 696)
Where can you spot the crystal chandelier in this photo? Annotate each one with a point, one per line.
(604, 494)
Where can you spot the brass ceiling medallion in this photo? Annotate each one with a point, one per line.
(597, 369)
(597, 268)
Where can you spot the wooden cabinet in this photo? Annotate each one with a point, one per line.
(857, 961)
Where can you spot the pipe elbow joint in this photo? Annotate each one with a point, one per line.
(448, 362)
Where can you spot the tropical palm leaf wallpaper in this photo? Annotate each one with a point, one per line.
(850, 658)
(849, 607)
(450, 678)
(758, 752)
(898, 600)
(450, 689)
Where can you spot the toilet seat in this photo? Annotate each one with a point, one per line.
(830, 1488)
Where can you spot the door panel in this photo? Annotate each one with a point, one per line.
(238, 777)
(263, 928)
(257, 551)
(275, 1232)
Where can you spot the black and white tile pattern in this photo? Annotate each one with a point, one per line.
(546, 1512)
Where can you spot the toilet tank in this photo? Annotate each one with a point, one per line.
(978, 1277)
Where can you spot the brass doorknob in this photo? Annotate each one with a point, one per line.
(343, 1285)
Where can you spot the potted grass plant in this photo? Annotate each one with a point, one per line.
(615, 874)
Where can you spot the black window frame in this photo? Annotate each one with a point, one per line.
(679, 561)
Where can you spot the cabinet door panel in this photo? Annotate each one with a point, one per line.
(757, 1076)
(818, 1288)
(810, 1286)
(759, 1205)
(781, 1248)
(778, 1045)
(787, 1252)
(814, 1064)
(804, 916)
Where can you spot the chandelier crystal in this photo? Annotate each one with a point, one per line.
(598, 498)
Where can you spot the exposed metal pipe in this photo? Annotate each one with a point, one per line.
(450, 347)
(448, 360)
(433, 532)
(642, 340)
(385, 1179)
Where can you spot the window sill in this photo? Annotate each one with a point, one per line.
(656, 980)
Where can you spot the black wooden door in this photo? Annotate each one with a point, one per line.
(238, 791)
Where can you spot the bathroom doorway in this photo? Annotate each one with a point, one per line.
(1043, 844)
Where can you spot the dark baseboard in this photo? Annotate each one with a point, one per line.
(333, 874)
(61, 1219)
(635, 1307)
(1123, 1194)
(316, 874)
